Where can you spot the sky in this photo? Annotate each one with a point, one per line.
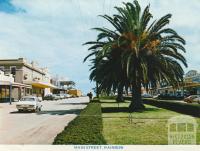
(52, 32)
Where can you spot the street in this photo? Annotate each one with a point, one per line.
(38, 128)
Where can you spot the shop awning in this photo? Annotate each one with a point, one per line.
(42, 85)
(186, 85)
(14, 84)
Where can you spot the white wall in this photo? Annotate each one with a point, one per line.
(8, 78)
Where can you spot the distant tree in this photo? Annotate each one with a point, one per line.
(69, 84)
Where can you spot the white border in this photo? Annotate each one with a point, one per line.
(125, 148)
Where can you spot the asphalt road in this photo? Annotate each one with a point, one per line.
(38, 128)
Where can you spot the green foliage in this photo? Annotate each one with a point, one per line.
(85, 129)
(136, 52)
(166, 97)
(190, 109)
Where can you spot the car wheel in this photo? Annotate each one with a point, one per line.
(19, 110)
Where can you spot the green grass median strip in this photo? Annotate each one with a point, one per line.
(148, 127)
(180, 107)
(85, 129)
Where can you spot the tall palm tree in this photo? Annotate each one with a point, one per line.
(149, 52)
(111, 66)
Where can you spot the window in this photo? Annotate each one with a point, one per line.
(13, 70)
(2, 68)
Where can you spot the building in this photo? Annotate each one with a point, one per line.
(192, 82)
(7, 85)
(75, 92)
(63, 86)
(33, 80)
(190, 86)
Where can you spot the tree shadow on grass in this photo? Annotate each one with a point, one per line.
(73, 103)
(114, 102)
(125, 109)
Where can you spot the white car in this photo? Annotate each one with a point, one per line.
(67, 95)
(29, 103)
(62, 96)
(146, 95)
(197, 100)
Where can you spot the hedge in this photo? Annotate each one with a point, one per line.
(165, 97)
(84, 129)
(189, 109)
(3, 100)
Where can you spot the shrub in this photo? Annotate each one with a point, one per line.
(85, 129)
(168, 97)
(2, 100)
(190, 109)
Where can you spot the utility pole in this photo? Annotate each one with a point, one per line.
(10, 93)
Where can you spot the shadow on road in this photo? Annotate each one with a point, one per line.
(21, 112)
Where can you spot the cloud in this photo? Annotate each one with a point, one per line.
(52, 31)
(7, 7)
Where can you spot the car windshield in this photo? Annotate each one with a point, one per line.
(27, 99)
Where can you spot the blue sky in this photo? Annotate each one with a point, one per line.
(52, 32)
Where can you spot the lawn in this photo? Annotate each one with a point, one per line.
(148, 127)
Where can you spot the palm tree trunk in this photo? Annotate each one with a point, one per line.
(136, 101)
(120, 93)
(97, 90)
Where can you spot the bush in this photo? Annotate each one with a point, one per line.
(85, 129)
(190, 109)
(3, 100)
(168, 97)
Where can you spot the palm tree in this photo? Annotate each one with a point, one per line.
(149, 53)
(115, 78)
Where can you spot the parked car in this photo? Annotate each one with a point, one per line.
(156, 96)
(146, 95)
(192, 99)
(29, 103)
(56, 97)
(49, 97)
(60, 96)
(67, 96)
(197, 100)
